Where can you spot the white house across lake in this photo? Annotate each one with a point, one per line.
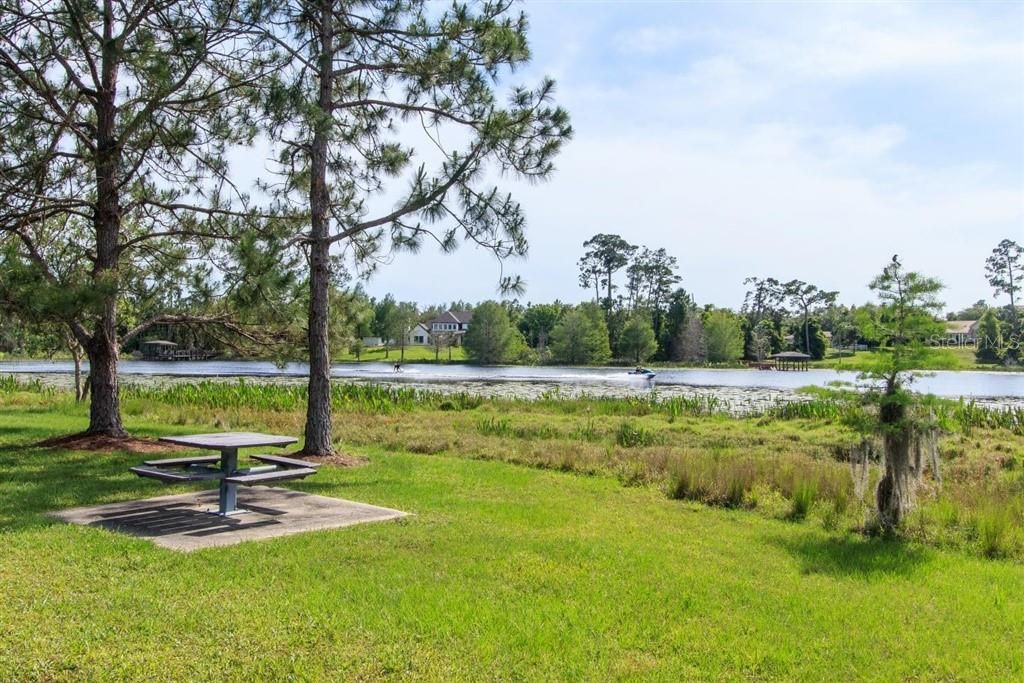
(454, 323)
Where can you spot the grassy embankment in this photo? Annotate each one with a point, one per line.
(373, 354)
(511, 572)
(939, 358)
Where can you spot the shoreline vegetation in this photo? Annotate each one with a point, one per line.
(950, 359)
(790, 460)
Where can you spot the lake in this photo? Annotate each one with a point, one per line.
(603, 380)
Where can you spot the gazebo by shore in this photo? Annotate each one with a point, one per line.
(158, 349)
(791, 360)
(161, 349)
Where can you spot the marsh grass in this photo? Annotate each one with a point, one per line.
(994, 528)
(503, 427)
(804, 495)
(764, 463)
(631, 434)
(719, 478)
(823, 404)
(10, 384)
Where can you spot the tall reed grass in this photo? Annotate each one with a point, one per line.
(10, 384)
(369, 398)
(827, 405)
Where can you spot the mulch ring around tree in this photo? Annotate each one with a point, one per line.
(107, 444)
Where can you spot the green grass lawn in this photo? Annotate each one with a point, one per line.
(503, 573)
(940, 358)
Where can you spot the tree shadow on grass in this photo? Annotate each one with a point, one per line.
(29, 434)
(38, 480)
(855, 556)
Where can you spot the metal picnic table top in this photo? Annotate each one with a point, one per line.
(228, 444)
(223, 441)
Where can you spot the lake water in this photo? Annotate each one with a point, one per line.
(528, 381)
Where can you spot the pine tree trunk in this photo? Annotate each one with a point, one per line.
(608, 304)
(318, 405)
(102, 348)
(1013, 301)
(104, 405)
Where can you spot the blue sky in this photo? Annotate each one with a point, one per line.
(794, 140)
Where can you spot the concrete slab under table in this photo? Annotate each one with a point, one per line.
(183, 522)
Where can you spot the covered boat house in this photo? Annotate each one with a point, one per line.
(157, 349)
(161, 349)
(791, 360)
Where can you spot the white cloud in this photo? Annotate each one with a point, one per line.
(774, 201)
(650, 40)
(742, 160)
(831, 44)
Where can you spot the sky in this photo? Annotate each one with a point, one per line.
(790, 140)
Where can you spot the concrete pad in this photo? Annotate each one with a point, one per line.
(189, 521)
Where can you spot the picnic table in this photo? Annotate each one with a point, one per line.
(224, 467)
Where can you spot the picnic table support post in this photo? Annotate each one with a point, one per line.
(228, 491)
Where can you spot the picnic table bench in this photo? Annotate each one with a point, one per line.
(224, 467)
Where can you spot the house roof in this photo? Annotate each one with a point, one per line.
(461, 317)
(960, 326)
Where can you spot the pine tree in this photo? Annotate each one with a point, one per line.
(358, 77)
(116, 120)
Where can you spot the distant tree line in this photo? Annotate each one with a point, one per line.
(637, 313)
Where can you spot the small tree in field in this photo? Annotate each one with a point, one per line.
(906, 428)
(387, 322)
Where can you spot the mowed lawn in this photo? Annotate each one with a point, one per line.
(503, 573)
